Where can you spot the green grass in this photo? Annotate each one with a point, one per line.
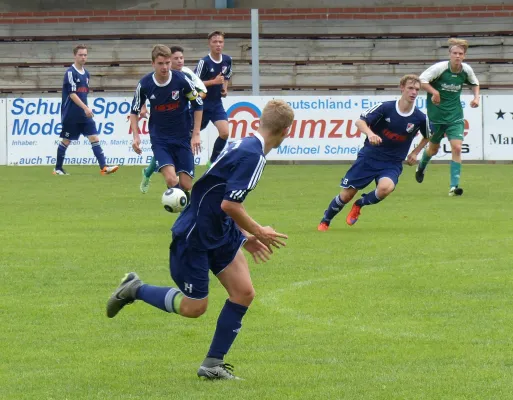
(413, 302)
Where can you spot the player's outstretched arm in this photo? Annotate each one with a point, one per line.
(265, 234)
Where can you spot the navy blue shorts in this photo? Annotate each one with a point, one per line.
(189, 267)
(72, 131)
(177, 154)
(365, 170)
(214, 114)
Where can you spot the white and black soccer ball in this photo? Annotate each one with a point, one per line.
(174, 200)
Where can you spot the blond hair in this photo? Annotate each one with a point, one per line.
(277, 116)
(409, 77)
(160, 50)
(459, 43)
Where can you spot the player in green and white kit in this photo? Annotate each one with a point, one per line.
(443, 81)
(177, 61)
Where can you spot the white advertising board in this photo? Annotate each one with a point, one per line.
(33, 129)
(498, 127)
(323, 129)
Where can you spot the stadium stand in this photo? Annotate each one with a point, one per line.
(300, 49)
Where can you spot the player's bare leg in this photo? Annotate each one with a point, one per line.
(336, 205)
(169, 174)
(237, 282)
(185, 183)
(456, 145)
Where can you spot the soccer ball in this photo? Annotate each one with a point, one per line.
(174, 200)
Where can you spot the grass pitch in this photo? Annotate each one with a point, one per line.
(413, 302)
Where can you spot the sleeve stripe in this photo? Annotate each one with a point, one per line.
(72, 82)
(137, 98)
(199, 68)
(370, 110)
(230, 72)
(257, 173)
(237, 194)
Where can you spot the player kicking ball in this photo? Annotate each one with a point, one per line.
(390, 128)
(208, 236)
(177, 64)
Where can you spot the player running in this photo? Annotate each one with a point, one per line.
(390, 128)
(444, 81)
(169, 93)
(177, 64)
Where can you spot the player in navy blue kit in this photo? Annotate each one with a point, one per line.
(215, 70)
(76, 116)
(169, 93)
(390, 128)
(177, 63)
(208, 235)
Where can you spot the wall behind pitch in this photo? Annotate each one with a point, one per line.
(60, 5)
(73, 5)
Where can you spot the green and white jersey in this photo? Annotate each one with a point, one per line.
(449, 85)
(198, 83)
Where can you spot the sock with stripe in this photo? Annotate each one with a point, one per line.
(98, 153)
(61, 153)
(333, 209)
(228, 326)
(164, 298)
(368, 199)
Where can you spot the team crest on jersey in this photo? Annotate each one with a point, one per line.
(410, 127)
(175, 94)
(223, 70)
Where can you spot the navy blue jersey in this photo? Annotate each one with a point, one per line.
(207, 69)
(169, 105)
(396, 130)
(78, 83)
(231, 177)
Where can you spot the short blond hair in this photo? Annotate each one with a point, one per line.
(409, 77)
(160, 50)
(276, 116)
(458, 42)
